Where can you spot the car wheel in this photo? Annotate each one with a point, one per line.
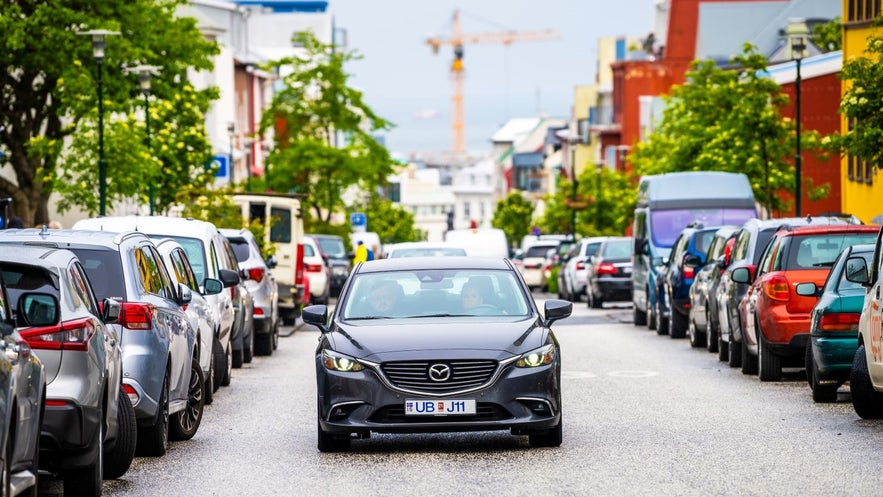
(723, 349)
(867, 402)
(595, 301)
(263, 344)
(677, 325)
(638, 317)
(553, 438)
(219, 360)
(649, 311)
(119, 458)
(769, 365)
(185, 423)
(154, 440)
(87, 481)
(248, 347)
(210, 382)
(236, 358)
(34, 467)
(749, 362)
(228, 372)
(275, 337)
(288, 320)
(697, 339)
(734, 356)
(661, 321)
(326, 442)
(711, 342)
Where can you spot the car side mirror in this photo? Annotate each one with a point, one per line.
(37, 309)
(556, 309)
(857, 271)
(212, 286)
(316, 315)
(185, 296)
(692, 260)
(350, 255)
(741, 275)
(228, 277)
(807, 289)
(272, 262)
(110, 310)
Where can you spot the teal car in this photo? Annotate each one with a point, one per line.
(834, 326)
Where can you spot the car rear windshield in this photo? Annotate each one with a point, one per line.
(105, 272)
(617, 249)
(819, 251)
(703, 240)
(539, 250)
(23, 278)
(332, 247)
(666, 225)
(195, 253)
(240, 248)
(427, 252)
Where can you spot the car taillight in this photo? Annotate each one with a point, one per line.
(776, 288)
(258, 311)
(299, 265)
(56, 403)
(580, 265)
(689, 272)
(605, 268)
(136, 316)
(132, 393)
(256, 273)
(839, 321)
(312, 268)
(69, 335)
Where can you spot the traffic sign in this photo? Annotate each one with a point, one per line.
(359, 222)
(220, 161)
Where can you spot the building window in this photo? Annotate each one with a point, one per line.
(862, 10)
(466, 210)
(869, 173)
(394, 192)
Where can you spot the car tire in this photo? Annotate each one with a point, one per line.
(723, 349)
(734, 359)
(677, 325)
(593, 300)
(219, 364)
(649, 311)
(210, 382)
(88, 481)
(185, 423)
(712, 343)
(697, 339)
(553, 438)
(749, 362)
(248, 347)
(34, 468)
(326, 442)
(228, 371)
(263, 344)
(288, 321)
(769, 365)
(661, 322)
(275, 339)
(153, 441)
(118, 459)
(236, 359)
(639, 317)
(867, 402)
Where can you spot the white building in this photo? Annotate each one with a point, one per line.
(475, 194)
(420, 192)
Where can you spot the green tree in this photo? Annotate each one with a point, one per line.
(391, 222)
(315, 108)
(49, 87)
(604, 204)
(829, 36)
(513, 214)
(728, 119)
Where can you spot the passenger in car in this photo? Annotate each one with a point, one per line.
(471, 296)
(385, 297)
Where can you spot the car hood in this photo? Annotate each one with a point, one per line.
(398, 339)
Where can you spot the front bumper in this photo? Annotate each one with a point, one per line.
(522, 400)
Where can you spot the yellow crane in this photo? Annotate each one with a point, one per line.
(457, 40)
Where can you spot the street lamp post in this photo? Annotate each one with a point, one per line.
(98, 46)
(145, 73)
(798, 47)
(231, 132)
(574, 140)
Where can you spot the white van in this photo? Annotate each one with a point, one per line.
(483, 242)
(286, 232)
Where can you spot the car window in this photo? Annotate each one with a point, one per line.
(762, 240)
(105, 272)
(592, 248)
(427, 252)
(816, 251)
(414, 294)
(214, 265)
(149, 272)
(766, 258)
(4, 314)
(189, 276)
(538, 250)
(229, 256)
(617, 249)
(195, 251)
(308, 250)
(667, 224)
(742, 241)
(843, 283)
(280, 231)
(82, 288)
(240, 248)
(333, 247)
(23, 279)
(170, 291)
(703, 241)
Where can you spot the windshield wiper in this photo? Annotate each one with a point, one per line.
(360, 318)
(440, 315)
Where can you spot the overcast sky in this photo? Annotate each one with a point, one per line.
(404, 82)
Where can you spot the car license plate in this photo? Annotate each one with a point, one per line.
(438, 407)
(627, 270)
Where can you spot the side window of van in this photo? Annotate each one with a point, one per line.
(280, 231)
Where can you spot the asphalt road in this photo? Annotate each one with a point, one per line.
(644, 415)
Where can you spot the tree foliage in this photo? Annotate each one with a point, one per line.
(828, 36)
(862, 104)
(728, 119)
(605, 201)
(314, 108)
(49, 95)
(513, 214)
(391, 222)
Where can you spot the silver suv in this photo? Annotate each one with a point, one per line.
(261, 285)
(158, 344)
(86, 436)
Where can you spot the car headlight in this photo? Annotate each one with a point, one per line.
(340, 362)
(339, 270)
(537, 357)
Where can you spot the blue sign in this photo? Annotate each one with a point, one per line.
(220, 161)
(358, 219)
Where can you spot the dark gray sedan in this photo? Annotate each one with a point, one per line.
(423, 344)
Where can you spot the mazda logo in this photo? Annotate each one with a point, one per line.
(439, 372)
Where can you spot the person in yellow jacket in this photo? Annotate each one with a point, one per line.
(361, 254)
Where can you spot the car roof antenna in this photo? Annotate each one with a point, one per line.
(809, 218)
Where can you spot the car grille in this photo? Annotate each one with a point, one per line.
(483, 412)
(414, 375)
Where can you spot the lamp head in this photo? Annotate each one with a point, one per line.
(98, 44)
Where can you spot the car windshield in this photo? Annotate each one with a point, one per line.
(666, 225)
(426, 252)
(105, 272)
(819, 251)
(332, 247)
(436, 293)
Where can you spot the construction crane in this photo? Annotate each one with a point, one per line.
(457, 40)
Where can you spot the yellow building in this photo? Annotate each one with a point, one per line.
(861, 188)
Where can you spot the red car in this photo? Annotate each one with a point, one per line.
(775, 319)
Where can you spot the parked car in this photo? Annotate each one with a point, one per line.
(317, 271)
(203, 244)
(243, 312)
(198, 312)
(775, 319)
(687, 256)
(572, 275)
(403, 352)
(751, 240)
(534, 265)
(834, 323)
(261, 286)
(158, 344)
(866, 374)
(334, 250)
(22, 386)
(87, 432)
(702, 326)
(609, 272)
(424, 249)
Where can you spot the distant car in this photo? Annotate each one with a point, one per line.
(834, 323)
(702, 326)
(687, 256)
(243, 306)
(23, 386)
(534, 265)
(334, 250)
(424, 249)
(609, 272)
(776, 319)
(317, 272)
(572, 275)
(88, 424)
(261, 286)
(408, 349)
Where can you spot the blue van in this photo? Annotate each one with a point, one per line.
(667, 203)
